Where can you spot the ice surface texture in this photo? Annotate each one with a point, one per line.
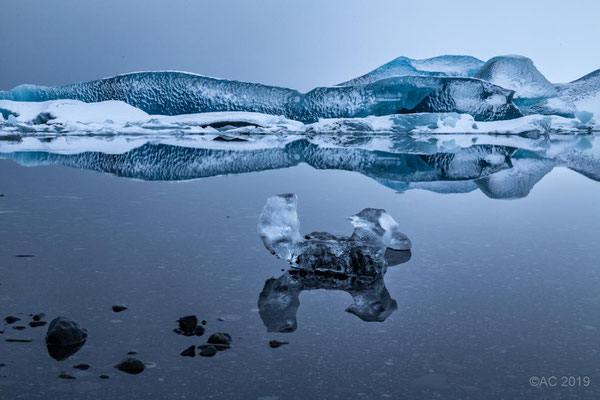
(360, 254)
(449, 65)
(174, 93)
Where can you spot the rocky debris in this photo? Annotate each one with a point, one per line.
(219, 338)
(18, 340)
(66, 376)
(187, 324)
(35, 324)
(276, 343)
(38, 317)
(208, 351)
(82, 367)
(131, 366)
(19, 328)
(189, 352)
(11, 319)
(64, 338)
(119, 307)
(104, 377)
(203, 322)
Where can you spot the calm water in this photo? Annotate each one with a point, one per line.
(503, 284)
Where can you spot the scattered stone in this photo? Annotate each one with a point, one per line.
(199, 331)
(38, 317)
(2, 365)
(203, 322)
(219, 338)
(119, 307)
(220, 319)
(18, 340)
(11, 320)
(24, 255)
(131, 353)
(66, 376)
(218, 347)
(276, 343)
(131, 366)
(83, 367)
(104, 377)
(19, 328)
(189, 352)
(64, 338)
(187, 324)
(208, 351)
(35, 324)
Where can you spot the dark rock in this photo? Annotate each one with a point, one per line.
(276, 343)
(104, 377)
(178, 331)
(24, 255)
(18, 340)
(188, 323)
(64, 338)
(38, 317)
(199, 331)
(119, 307)
(131, 353)
(82, 367)
(66, 376)
(2, 365)
(219, 338)
(131, 366)
(19, 328)
(203, 322)
(208, 351)
(220, 319)
(218, 347)
(35, 324)
(11, 320)
(189, 352)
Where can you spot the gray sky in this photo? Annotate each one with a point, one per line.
(299, 44)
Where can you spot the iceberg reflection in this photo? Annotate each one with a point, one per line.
(499, 166)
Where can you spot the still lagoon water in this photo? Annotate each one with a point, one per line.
(500, 293)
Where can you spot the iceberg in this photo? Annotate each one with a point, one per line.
(534, 94)
(176, 93)
(583, 92)
(448, 65)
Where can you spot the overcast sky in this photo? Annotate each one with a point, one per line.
(299, 44)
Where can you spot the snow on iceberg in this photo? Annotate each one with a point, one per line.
(583, 92)
(448, 65)
(174, 93)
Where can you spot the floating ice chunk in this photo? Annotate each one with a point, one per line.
(279, 227)
(360, 254)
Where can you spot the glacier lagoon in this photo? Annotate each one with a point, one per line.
(501, 283)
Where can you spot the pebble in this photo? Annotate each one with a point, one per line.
(189, 352)
(131, 366)
(276, 343)
(208, 351)
(82, 367)
(119, 307)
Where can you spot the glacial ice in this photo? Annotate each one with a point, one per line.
(360, 254)
(448, 65)
(583, 92)
(502, 89)
(175, 93)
